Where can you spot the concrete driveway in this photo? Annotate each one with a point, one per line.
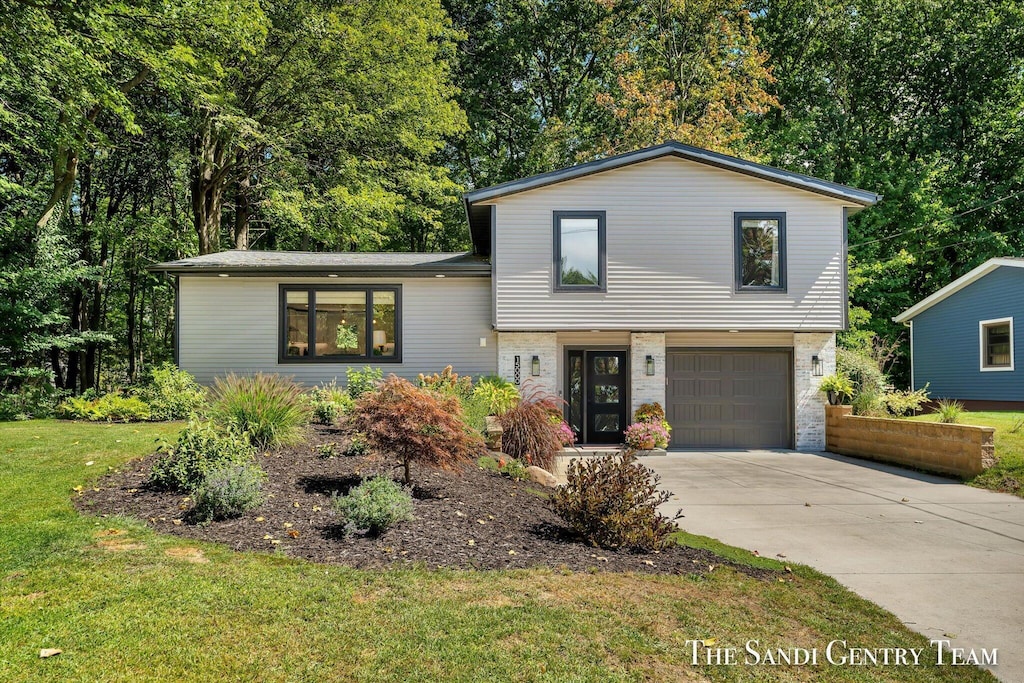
(944, 557)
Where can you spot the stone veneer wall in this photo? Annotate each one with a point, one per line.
(526, 345)
(809, 401)
(646, 388)
(960, 450)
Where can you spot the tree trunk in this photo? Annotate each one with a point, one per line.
(209, 180)
(243, 211)
(130, 325)
(74, 357)
(65, 170)
(92, 371)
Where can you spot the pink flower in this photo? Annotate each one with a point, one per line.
(644, 436)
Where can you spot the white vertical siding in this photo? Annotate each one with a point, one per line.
(231, 325)
(670, 253)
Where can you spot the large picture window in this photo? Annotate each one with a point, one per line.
(340, 324)
(996, 344)
(579, 251)
(761, 251)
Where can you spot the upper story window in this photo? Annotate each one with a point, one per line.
(579, 252)
(339, 324)
(996, 344)
(760, 251)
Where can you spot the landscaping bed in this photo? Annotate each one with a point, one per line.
(474, 518)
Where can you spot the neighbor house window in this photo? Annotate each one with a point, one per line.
(579, 251)
(340, 324)
(760, 251)
(997, 344)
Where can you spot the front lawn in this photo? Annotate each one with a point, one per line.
(126, 603)
(1007, 475)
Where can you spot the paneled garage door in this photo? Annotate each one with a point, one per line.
(729, 399)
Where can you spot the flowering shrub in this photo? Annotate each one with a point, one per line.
(653, 413)
(565, 433)
(643, 436)
(448, 383)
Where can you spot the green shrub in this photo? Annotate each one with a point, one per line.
(358, 382)
(326, 450)
(173, 394)
(950, 412)
(35, 397)
(837, 387)
(375, 505)
(513, 469)
(229, 492)
(356, 446)
(201, 448)
(328, 402)
(612, 501)
(415, 425)
(106, 408)
(498, 398)
(901, 403)
(270, 408)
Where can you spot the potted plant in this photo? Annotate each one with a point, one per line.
(838, 387)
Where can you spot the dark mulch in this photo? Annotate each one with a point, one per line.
(473, 519)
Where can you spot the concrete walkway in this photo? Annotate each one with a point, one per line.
(944, 557)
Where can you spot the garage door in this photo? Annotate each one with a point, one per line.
(729, 399)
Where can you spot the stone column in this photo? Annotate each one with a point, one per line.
(809, 401)
(526, 345)
(646, 388)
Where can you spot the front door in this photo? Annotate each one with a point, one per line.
(596, 395)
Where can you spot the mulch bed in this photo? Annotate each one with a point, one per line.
(472, 519)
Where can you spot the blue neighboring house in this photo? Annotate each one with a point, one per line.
(966, 341)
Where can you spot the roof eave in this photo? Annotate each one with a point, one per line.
(955, 286)
(482, 270)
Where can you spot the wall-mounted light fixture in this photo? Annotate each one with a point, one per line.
(535, 366)
(816, 370)
(650, 365)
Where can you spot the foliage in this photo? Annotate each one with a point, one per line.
(499, 397)
(106, 408)
(267, 407)
(531, 431)
(653, 413)
(412, 424)
(328, 402)
(229, 492)
(950, 412)
(356, 446)
(448, 383)
(1017, 426)
(358, 382)
(201, 448)
(612, 501)
(644, 436)
(902, 403)
(31, 400)
(376, 505)
(173, 394)
(326, 450)
(837, 385)
(513, 469)
(862, 369)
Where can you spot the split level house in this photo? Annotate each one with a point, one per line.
(710, 284)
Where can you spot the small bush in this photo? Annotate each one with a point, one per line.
(326, 450)
(902, 403)
(447, 383)
(612, 502)
(270, 408)
(513, 469)
(107, 408)
(202, 447)
(173, 394)
(653, 413)
(644, 436)
(838, 387)
(35, 397)
(358, 382)
(415, 425)
(328, 402)
(532, 429)
(229, 492)
(356, 446)
(498, 398)
(950, 412)
(375, 505)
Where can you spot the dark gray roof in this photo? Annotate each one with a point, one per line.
(364, 264)
(479, 219)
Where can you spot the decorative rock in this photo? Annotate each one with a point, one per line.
(541, 476)
(492, 433)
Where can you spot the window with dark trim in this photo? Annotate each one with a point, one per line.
(340, 324)
(997, 344)
(760, 251)
(580, 255)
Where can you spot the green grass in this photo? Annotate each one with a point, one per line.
(125, 603)
(1007, 474)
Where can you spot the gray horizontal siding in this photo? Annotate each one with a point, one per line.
(670, 254)
(946, 353)
(231, 325)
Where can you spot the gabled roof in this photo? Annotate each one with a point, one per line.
(958, 284)
(362, 264)
(479, 216)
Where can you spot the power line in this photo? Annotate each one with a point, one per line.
(938, 223)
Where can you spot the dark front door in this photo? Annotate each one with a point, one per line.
(596, 395)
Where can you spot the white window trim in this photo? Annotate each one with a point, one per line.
(982, 324)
